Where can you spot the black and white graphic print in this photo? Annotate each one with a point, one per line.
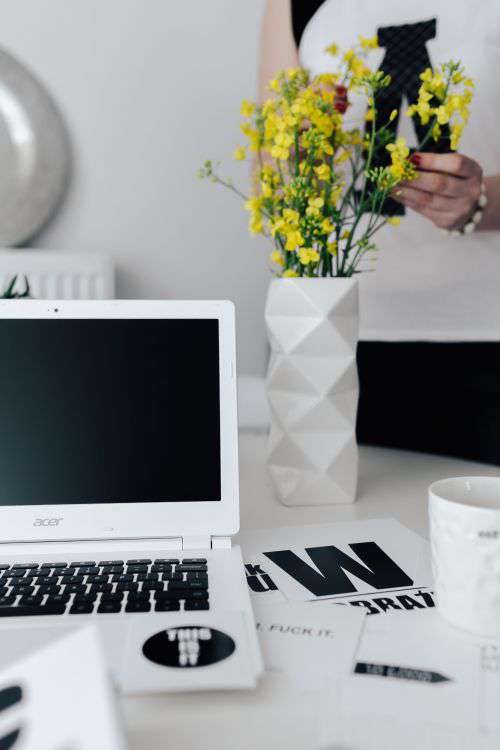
(406, 57)
(188, 646)
(10, 697)
(377, 565)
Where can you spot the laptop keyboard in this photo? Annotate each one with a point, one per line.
(106, 587)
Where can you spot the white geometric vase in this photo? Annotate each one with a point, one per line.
(312, 388)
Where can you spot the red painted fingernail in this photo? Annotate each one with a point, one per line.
(416, 159)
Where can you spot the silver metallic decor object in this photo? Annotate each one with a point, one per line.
(34, 154)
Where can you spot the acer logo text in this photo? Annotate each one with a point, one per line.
(47, 521)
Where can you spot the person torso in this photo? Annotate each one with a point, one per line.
(426, 285)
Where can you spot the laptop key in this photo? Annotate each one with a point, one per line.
(117, 595)
(122, 578)
(137, 569)
(107, 569)
(139, 595)
(24, 566)
(153, 586)
(56, 609)
(49, 588)
(72, 579)
(75, 588)
(54, 565)
(58, 599)
(101, 587)
(203, 577)
(191, 569)
(68, 572)
(172, 576)
(81, 608)
(4, 566)
(135, 606)
(23, 590)
(197, 585)
(17, 573)
(97, 579)
(191, 605)
(138, 562)
(148, 577)
(111, 562)
(84, 564)
(30, 600)
(178, 585)
(106, 607)
(167, 605)
(194, 561)
(6, 601)
(198, 595)
(128, 586)
(166, 561)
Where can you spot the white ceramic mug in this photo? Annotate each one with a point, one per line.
(464, 515)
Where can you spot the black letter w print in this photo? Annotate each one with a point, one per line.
(376, 569)
(406, 57)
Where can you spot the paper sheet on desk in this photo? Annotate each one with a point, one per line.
(309, 645)
(59, 696)
(378, 565)
(422, 672)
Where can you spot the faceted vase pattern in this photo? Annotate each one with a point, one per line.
(312, 388)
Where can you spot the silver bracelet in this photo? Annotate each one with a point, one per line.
(472, 223)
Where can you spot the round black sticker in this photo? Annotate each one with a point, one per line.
(189, 646)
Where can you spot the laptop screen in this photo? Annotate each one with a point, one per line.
(111, 410)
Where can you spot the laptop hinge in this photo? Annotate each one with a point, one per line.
(203, 541)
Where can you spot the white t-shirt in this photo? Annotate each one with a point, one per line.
(427, 286)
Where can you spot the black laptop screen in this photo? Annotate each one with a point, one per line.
(98, 411)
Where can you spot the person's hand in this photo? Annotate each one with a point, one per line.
(446, 190)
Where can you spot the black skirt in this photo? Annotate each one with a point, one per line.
(434, 397)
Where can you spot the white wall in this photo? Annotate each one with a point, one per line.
(149, 89)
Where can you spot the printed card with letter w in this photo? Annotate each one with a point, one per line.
(375, 564)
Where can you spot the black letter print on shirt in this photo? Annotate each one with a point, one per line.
(406, 57)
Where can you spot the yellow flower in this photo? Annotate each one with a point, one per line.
(368, 43)
(255, 225)
(322, 172)
(443, 115)
(240, 153)
(394, 220)
(333, 50)
(267, 191)
(327, 227)
(294, 240)
(308, 255)
(314, 207)
(254, 203)
(276, 257)
(393, 115)
(290, 215)
(247, 108)
(370, 115)
(332, 247)
(345, 234)
(290, 274)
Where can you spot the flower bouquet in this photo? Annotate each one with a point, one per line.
(321, 190)
(315, 177)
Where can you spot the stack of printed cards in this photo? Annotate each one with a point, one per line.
(404, 677)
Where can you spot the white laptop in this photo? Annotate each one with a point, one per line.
(119, 488)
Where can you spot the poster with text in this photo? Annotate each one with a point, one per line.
(376, 564)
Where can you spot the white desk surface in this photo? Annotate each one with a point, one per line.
(392, 484)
